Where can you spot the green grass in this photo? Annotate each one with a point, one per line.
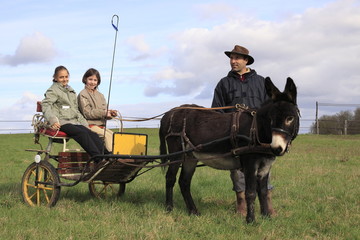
(316, 196)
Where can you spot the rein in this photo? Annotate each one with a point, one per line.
(177, 108)
(152, 158)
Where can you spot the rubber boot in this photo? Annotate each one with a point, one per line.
(241, 203)
(272, 211)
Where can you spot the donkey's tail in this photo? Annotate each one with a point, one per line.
(163, 147)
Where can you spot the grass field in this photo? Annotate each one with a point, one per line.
(316, 196)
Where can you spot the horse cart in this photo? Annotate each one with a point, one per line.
(189, 134)
(43, 179)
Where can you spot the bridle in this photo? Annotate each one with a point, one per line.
(287, 133)
(280, 130)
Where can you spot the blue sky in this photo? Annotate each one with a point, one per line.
(172, 52)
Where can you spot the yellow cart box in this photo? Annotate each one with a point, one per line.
(129, 143)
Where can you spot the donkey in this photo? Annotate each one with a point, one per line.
(245, 139)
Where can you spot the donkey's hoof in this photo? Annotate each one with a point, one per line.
(169, 208)
(250, 220)
(194, 212)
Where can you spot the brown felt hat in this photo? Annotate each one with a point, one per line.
(241, 51)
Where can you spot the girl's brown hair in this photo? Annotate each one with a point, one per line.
(90, 72)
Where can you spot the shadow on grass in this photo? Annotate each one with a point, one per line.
(139, 196)
(136, 194)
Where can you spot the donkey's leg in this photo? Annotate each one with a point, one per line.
(174, 145)
(187, 172)
(262, 182)
(170, 182)
(262, 187)
(250, 189)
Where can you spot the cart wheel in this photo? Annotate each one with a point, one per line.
(103, 190)
(40, 185)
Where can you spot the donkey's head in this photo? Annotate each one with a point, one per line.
(282, 115)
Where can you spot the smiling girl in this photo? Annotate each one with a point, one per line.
(61, 111)
(92, 105)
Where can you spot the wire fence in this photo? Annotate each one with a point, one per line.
(344, 122)
(24, 126)
(306, 125)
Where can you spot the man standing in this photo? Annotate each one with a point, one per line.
(242, 85)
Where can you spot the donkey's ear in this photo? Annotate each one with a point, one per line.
(271, 90)
(290, 90)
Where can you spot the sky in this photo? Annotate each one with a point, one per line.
(167, 53)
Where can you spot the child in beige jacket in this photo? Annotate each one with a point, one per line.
(92, 105)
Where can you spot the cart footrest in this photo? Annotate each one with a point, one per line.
(72, 164)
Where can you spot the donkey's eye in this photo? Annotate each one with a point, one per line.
(289, 120)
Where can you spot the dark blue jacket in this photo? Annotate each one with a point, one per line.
(231, 90)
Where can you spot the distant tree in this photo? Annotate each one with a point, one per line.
(329, 125)
(342, 117)
(354, 124)
(357, 114)
(335, 124)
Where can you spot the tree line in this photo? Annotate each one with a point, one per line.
(345, 122)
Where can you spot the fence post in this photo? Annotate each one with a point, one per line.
(316, 118)
(345, 127)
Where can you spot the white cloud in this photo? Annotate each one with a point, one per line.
(140, 50)
(319, 49)
(35, 48)
(138, 43)
(164, 82)
(173, 74)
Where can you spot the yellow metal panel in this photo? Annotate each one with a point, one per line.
(130, 143)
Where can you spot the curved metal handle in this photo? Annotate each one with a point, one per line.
(117, 22)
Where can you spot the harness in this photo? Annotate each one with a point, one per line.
(254, 144)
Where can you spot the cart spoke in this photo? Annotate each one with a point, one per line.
(38, 196)
(111, 187)
(103, 190)
(33, 195)
(31, 185)
(33, 173)
(46, 195)
(40, 174)
(47, 188)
